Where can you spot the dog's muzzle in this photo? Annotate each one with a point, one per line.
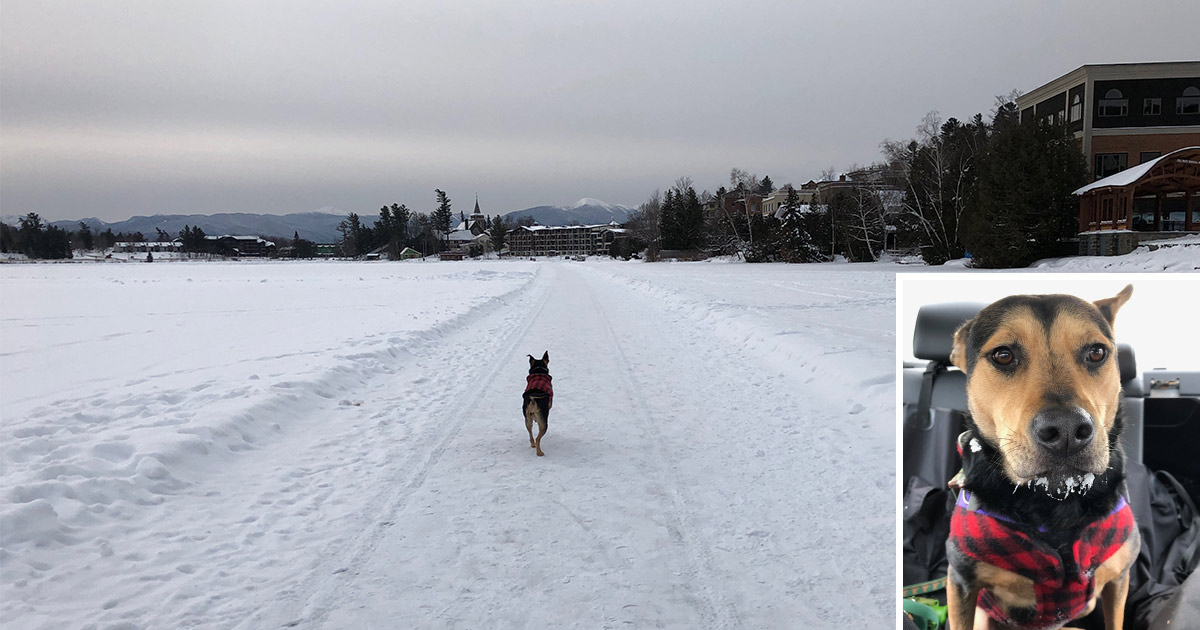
(1063, 432)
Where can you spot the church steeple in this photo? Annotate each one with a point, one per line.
(477, 215)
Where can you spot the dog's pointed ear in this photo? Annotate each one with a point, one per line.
(531, 359)
(546, 357)
(958, 352)
(1108, 306)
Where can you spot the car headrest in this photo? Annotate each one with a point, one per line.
(1127, 362)
(933, 338)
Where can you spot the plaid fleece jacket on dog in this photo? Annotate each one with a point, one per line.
(1063, 583)
(540, 383)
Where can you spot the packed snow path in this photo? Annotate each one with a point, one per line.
(703, 469)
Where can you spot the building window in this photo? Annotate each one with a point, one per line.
(1114, 104)
(1151, 106)
(1076, 108)
(1109, 163)
(1189, 103)
(1146, 156)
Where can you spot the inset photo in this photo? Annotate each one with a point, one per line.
(1048, 467)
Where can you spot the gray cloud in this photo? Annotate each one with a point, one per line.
(113, 109)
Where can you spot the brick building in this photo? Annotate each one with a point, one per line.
(570, 240)
(1123, 114)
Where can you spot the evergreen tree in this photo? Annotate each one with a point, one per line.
(691, 220)
(424, 238)
(1025, 206)
(498, 234)
(766, 186)
(351, 229)
(8, 238)
(766, 245)
(668, 221)
(795, 245)
(106, 239)
(443, 215)
(85, 236)
(149, 256)
(192, 239)
(31, 234)
(392, 229)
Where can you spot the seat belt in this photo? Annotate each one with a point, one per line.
(924, 417)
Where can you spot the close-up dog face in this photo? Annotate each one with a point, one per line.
(1043, 384)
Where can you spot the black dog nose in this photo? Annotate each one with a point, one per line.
(1063, 431)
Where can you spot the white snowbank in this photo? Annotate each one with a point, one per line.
(1176, 254)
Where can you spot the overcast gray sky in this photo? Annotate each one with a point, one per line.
(112, 109)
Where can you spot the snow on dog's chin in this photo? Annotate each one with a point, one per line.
(1059, 486)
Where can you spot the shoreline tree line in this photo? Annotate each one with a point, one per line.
(999, 191)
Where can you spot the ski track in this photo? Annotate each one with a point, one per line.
(686, 482)
(718, 612)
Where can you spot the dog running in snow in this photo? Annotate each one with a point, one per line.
(1041, 528)
(537, 399)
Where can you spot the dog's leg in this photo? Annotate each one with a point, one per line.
(541, 431)
(960, 603)
(1112, 600)
(529, 428)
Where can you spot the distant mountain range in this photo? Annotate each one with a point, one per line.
(586, 211)
(321, 226)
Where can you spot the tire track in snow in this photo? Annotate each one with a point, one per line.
(719, 613)
(409, 478)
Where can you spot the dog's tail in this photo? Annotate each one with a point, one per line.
(536, 406)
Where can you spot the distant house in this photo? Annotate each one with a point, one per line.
(328, 250)
(471, 234)
(772, 204)
(569, 240)
(143, 247)
(250, 246)
(409, 253)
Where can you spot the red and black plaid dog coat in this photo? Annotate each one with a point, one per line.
(540, 383)
(1063, 584)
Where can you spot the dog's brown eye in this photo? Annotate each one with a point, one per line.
(1003, 356)
(1097, 353)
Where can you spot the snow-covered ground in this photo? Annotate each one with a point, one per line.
(330, 445)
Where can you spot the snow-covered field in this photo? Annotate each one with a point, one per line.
(333, 445)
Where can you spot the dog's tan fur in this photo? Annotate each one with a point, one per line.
(532, 415)
(1003, 407)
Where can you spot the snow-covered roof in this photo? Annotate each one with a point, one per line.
(241, 238)
(535, 228)
(465, 236)
(1129, 175)
(801, 208)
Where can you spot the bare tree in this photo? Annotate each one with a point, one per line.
(643, 222)
(682, 184)
(938, 174)
(859, 219)
(748, 183)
